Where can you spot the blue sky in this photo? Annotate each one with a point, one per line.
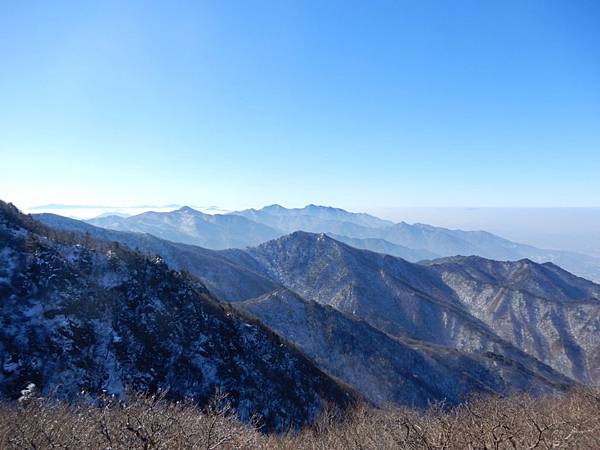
(353, 104)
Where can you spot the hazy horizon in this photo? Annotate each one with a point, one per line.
(575, 229)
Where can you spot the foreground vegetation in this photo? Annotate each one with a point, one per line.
(520, 422)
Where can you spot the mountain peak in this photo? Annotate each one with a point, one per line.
(273, 207)
(187, 209)
(310, 236)
(314, 207)
(300, 235)
(8, 209)
(298, 241)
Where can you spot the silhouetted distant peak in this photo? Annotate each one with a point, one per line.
(270, 209)
(460, 259)
(329, 209)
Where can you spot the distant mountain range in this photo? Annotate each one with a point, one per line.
(436, 241)
(82, 212)
(412, 242)
(312, 218)
(397, 331)
(189, 226)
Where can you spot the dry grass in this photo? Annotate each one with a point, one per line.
(520, 422)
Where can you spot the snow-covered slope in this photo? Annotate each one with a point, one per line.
(225, 279)
(186, 225)
(82, 315)
(550, 313)
(449, 303)
(412, 300)
(388, 370)
(312, 218)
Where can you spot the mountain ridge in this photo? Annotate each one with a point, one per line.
(80, 314)
(436, 240)
(583, 369)
(208, 265)
(404, 299)
(416, 242)
(189, 226)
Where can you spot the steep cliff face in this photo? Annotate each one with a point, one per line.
(79, 315)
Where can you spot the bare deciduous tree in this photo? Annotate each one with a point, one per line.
(571, 421)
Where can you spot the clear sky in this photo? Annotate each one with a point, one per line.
(345, 103)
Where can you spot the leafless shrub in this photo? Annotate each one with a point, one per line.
(144, 422)
(571, 421)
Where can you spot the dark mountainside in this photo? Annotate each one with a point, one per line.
(224, 278)
(500, 368)
(82, 315)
